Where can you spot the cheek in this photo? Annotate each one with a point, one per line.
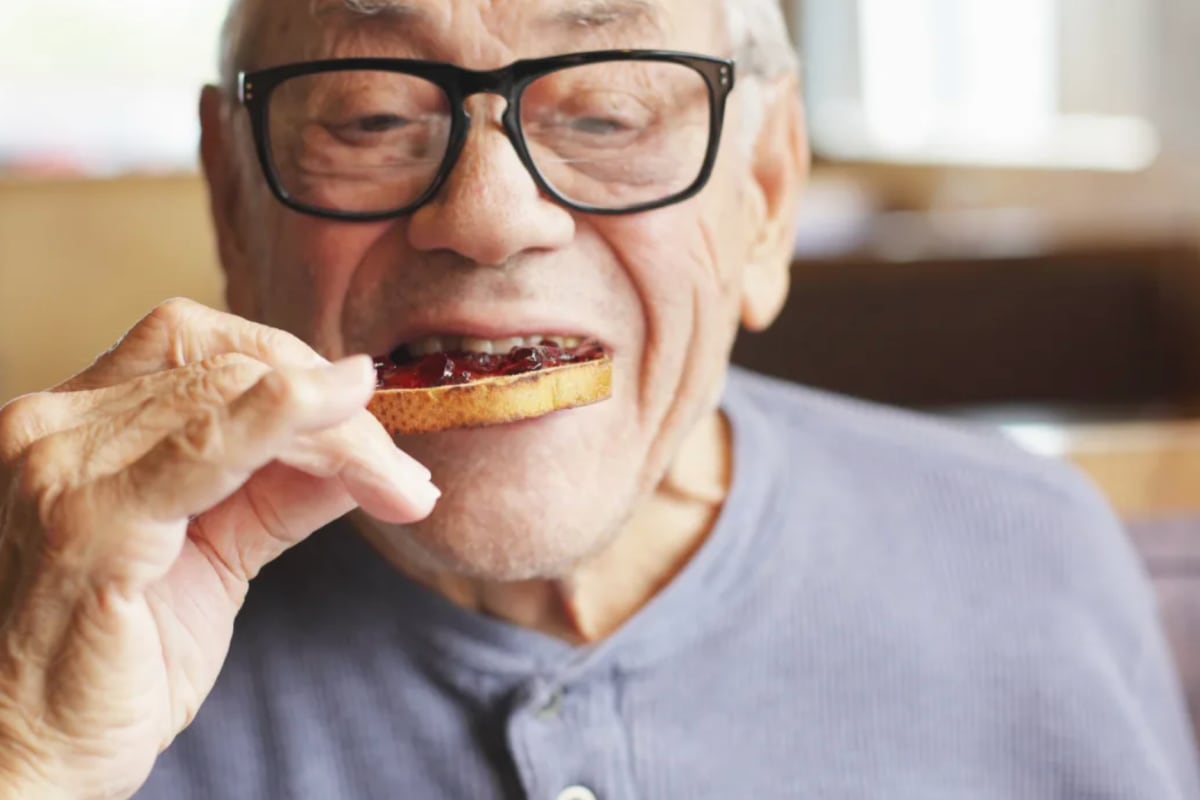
(684, 262)
(685, 273)
(701, 243)
(312, 264)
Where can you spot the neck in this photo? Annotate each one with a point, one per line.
(602, 593)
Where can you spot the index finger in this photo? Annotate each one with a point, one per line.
(180, 332)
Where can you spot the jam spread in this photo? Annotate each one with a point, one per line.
(401, 371)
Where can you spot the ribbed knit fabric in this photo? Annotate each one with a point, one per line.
(887, 608)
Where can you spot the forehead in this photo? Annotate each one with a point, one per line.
(480, 34)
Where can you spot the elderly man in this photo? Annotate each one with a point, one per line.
(708, 586)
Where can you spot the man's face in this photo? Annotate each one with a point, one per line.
(490, 257)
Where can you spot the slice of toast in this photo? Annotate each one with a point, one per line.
(493, 400)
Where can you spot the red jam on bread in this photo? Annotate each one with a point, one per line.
(398, 371)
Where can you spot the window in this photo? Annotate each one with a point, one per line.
(103, 86)
(1042, 83)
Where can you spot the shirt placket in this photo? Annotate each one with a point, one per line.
(569, 742)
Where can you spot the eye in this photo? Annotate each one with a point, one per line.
(379, 123)
(597, 125)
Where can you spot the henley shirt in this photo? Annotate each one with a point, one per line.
(888, 606)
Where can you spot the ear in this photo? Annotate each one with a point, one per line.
(226, 199)
(779, 170)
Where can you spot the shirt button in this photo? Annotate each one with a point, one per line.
(550, 707)
(576, 793)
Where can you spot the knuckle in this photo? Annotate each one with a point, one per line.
(233, 374)
(62, 518)
(43, 468)
(283, 392)
(41, 463)
(172, 312)
(169, 322)
(334, 463)
(201, 439)
(19, 422)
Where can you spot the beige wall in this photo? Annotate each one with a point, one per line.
(80, 261)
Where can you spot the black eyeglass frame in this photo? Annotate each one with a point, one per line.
(459, 83)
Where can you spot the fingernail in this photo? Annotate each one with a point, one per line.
(412, 479)
(424, 493)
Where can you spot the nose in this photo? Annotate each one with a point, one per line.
(490, 209)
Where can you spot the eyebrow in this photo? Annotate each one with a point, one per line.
(393, 9)
(589, 15)
(608, 14)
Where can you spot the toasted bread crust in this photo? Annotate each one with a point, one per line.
(492, 401)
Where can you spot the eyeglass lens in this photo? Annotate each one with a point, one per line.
(609, 135)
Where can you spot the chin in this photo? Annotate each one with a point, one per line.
(526, 500)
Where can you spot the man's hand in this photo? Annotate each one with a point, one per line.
(137, 500)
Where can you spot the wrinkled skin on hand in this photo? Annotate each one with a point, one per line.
(137, 501)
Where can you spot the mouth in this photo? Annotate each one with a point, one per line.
(448, 360)
(452, 343)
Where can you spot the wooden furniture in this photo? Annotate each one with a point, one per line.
(1115, 329)
(1146, 469)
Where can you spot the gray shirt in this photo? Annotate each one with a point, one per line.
(886, 608)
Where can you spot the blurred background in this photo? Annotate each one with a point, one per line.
(1003, 224)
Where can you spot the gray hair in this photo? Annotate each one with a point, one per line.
(758, 37)
(756, 29)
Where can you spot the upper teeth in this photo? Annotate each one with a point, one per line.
(450, 344)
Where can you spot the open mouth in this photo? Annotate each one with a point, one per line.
(447, 382)
(453, 360)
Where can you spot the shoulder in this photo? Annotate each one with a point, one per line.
(876, 438)
(958, 470)
(958, 507)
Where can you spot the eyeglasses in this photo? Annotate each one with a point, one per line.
(607, 132)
